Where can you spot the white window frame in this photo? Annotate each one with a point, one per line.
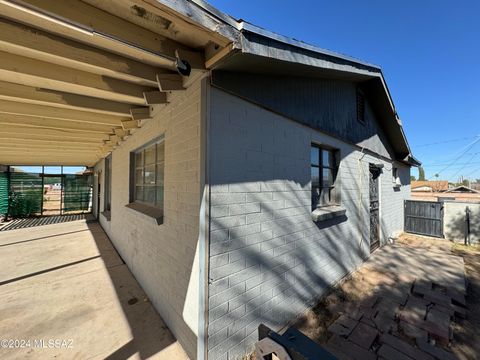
(159, 180)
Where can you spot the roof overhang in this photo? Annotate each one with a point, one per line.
(78, 77)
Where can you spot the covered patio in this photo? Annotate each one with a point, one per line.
(67, 294)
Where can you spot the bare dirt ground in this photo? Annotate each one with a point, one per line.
(52, 202)
(361, 286)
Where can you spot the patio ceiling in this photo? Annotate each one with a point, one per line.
(77, 77)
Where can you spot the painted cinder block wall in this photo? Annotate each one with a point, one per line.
(454, 224)
(164, 258)
(268, 260)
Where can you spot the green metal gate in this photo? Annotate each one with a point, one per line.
(24, 194)
(3, 193)
(77, 193)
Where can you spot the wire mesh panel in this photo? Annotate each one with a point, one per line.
(3, 193)
(26, 192)
(77, 193)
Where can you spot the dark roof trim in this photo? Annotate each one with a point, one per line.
(412, 161)
(248, 27)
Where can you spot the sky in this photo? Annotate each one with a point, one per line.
(52, 169)
(429, 51)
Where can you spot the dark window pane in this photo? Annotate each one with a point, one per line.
(327, 158)
(139, 177)
(139, 159)
(160, 175)
(160, 152)
(327, 177)
(150, 155)
(150, 175)
(314, 155)
(139, 193)
(315, 176)
(149, 194)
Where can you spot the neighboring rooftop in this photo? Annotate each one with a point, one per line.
(435, 186)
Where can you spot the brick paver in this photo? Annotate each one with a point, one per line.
(418, 309)
(363, 335)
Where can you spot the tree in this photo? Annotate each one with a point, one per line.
(421, 174)
(437, 175)
(413, 178)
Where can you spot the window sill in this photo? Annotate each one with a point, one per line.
(328, 213)
(150, 211)
(107, 215)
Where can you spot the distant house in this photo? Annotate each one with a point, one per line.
(429, 186)
(463, 189)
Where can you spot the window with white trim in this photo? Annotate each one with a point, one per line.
(395, 177)
(148, 174)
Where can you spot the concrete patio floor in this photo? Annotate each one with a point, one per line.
(66, 283)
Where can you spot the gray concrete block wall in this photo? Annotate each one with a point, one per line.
(268, 260)
(164, 258)
(454, 221)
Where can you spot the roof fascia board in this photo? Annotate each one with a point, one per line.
(200, 13)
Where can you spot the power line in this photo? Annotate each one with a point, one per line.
(466, 149)
(463, 167)
(457, 165)
(446, 141)
(473, 172)
(448, 162)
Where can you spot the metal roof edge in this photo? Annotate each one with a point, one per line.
(242, 25)
(248, 27)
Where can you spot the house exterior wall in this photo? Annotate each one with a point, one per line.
(328, 105)
(268, 261)
(164, 258)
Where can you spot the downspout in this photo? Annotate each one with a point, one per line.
(204, 224)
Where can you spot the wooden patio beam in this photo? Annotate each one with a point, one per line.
(47, 123)
(24, 132)
(31, 110)
(26, 71)
(63, 100)
(82, 22)
(26, 41)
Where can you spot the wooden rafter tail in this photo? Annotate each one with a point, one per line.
(155, 97)
(170, 82)
(142, 113)
(130, 124)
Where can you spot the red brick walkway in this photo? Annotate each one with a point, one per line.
(410, 320)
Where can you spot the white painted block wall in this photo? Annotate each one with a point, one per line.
(164, 258)
(268, 260)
